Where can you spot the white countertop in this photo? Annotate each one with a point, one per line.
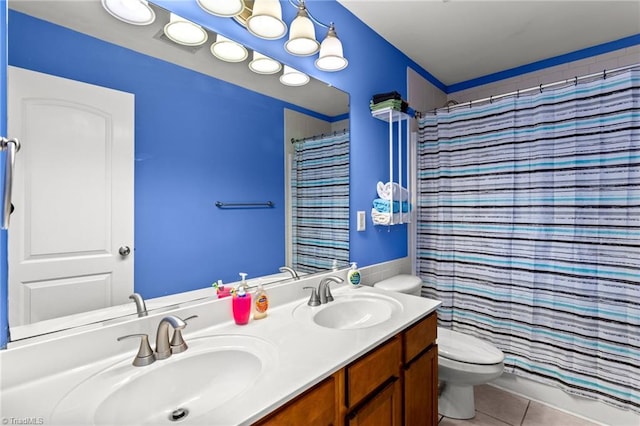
(35, 377)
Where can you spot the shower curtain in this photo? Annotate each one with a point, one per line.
(320, 203)
(529, 232)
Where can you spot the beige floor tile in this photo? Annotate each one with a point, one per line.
(500, 404)
(480, 419)
(543, 415)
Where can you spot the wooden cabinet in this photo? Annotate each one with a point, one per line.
(383, 409)
(421, 390)
(374, 393)
(394, 384)
(321, 405)
(372, 370)
(420, 377)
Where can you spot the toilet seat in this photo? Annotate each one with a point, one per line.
(468, 349)
(403, 283)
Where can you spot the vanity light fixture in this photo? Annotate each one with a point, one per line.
(135, 12)
(331, 57)
(293, 77)
(266, 20)
(263, 18)
(224, 8)
(302, 34)
(263, 64)
(228, 50)
(184, 32)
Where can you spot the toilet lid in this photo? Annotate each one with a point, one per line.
(402, 283)
(464, 348)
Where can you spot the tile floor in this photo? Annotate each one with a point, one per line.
(495, 407)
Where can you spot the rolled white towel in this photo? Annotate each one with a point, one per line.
(399, 193)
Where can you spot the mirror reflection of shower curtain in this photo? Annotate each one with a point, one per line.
(320, 203)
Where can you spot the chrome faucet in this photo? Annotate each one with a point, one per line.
(163, 346)
(324, 290)
(141, 307)
(292, 271)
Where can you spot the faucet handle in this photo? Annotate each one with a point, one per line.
(177, 342)
(314, 300)
(145, 354)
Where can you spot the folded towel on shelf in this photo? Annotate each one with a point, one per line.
(384, 206)
(379, 97)
(379, 218)
(393, 104)
(399, 193)
(397, 104)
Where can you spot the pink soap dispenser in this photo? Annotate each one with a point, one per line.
(241, 302)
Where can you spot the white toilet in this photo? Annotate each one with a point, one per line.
(463, 360)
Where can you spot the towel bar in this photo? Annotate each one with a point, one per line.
(220, 204)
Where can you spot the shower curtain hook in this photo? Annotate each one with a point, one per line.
(491, 99)
(575, 81)
(517, 93)
(469, 104)
(540, 88)
(604, 74)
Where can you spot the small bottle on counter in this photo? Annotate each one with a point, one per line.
(241, 302)
(353, 276)
(261, 303)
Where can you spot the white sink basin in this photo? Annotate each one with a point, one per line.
(350, 310)
(212, 371)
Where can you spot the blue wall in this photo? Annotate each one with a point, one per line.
(374, 66)
(193, 147)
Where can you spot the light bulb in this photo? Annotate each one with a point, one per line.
(224, 8)
(331, 57)
(302, 35)
(263, 64)
(293, 77)
(135, 12)
(266, 20)
(184, 32)
(228, 50)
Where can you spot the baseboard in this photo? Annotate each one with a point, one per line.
(588, 409)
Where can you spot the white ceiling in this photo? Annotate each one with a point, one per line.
(459, 40)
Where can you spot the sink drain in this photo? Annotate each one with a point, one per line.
(178, 414)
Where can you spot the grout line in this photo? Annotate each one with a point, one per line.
(526, 410)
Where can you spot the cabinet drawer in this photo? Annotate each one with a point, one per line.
(371, 371)
(419, 337)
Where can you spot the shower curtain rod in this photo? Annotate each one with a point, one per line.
(541, 87)
(321, 135)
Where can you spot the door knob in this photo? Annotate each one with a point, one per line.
(124, 251)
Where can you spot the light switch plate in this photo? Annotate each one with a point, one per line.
(362, 221)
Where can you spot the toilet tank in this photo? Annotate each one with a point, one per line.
(403, 283)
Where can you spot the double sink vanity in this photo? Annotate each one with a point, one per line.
(365, 357)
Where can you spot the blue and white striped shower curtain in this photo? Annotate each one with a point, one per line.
(529, 232)
(320, 203)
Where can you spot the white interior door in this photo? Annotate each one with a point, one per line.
(73, 197)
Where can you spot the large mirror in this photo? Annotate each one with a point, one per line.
(189, 180)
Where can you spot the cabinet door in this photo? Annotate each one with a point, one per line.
(319, 406)
(421, 390)
(384, 409)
